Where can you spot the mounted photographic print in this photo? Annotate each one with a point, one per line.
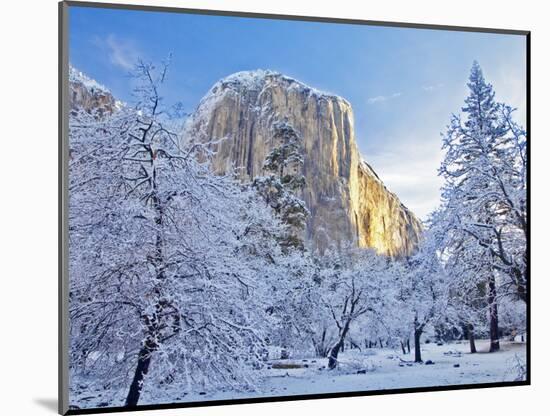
(265, 207)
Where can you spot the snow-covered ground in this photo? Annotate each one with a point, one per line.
(385, 369)
(389, 369)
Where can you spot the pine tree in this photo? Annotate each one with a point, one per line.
(284, 180)
(482, 206)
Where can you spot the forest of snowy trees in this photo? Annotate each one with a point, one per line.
(182, 281)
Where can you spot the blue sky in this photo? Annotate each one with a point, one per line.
(403, 83)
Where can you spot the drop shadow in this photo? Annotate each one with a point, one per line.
(49, 404)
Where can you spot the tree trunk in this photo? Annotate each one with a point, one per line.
(144, 360)
(472, 339)
(333, 356)
(320, 348)
(149, 345)
(521, 283)
(465, 331)
(418, 328)
(403, 348)
(417, 353)
(353, 344)
(493, 313)
(408, 346)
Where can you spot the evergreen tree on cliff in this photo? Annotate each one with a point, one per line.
(484, 192)
(284, 168)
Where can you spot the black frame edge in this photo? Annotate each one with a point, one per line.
(226, 402)
(63, 196)
(528, 248)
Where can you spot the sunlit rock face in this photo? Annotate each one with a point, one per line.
(347, 200)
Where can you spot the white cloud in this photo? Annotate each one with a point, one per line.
(122, 53)
(408, 157)
(406, 153)
(430, 88)
(409, 169)
(511, 88)
(381, 98)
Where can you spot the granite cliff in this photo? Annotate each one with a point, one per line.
(346, 198)
(87, 94)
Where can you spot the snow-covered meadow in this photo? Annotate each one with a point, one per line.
(386, 368)
(372, 369)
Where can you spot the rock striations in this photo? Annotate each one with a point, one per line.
(346, 198)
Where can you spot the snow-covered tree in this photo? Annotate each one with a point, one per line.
(353, 292)
(484, 196)
(425, 290)
(294, 303)
(463, 261)
(170, 265)
(399, 330)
